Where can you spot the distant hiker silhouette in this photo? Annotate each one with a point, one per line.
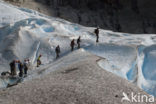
(20, 67)
(72, 44)
(13, 68)
(78, 42)
(39, 60)
(96, 31)
(57, 50)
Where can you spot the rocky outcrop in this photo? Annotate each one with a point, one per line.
(133, 16)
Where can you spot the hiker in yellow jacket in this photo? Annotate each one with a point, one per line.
(39, 60)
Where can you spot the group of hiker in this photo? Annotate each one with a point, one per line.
(23, 67)
(72, 44)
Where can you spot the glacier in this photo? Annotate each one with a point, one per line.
(25, 33)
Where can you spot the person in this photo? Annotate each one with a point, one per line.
(13, 68)
(78, 42)
(20, 67)
(29, 64)
(72, 44)
(97, 34)
(25, 67)
(39, 60)
(57, 50)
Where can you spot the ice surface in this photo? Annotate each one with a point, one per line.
(25, 33)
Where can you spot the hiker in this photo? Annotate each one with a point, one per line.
(20, 67)
(39, 60)
(13, 68)
(97, 34)
(26, 65)
(72, 44)
(57, 50)
(28, 61)
(78, 42)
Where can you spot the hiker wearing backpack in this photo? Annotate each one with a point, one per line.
(78, 42)
(39, 60)
(97, 34)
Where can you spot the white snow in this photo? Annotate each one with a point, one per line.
(25, 33)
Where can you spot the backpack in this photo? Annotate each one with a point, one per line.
(57, 49)
(72, 43)
(96, 31)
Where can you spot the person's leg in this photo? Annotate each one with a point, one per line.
(11, 71)
(97, 40)
(56, 55)
(14, 72)
(25, 71)
(40, 62)
(37, 64)
(78, 45)
(20, 74)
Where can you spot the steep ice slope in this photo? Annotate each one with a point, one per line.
(130, 56)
